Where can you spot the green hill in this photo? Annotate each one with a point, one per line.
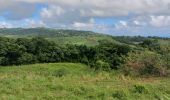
(60, 36)
(69, 81)
(64, 36)
(48, 32)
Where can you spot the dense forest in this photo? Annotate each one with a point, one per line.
(147, 57)
(40, 50)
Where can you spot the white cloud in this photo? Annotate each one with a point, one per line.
(121, 25)
(105, 8)
(90, 25)
(136, 22)
(52, 11)
(157, 21)
(160, 21)
(134, 15)
(82, 25)
(15, 10)
(82, 10)
(58, 15)
(5, 25)
(32, 23)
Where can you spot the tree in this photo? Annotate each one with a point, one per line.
(13, 52)
(112, 53)
(27, 58)
(151, 44)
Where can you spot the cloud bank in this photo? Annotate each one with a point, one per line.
(126, 17)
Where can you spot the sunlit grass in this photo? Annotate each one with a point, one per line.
(68, 81)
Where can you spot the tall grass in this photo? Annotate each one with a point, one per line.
(68, 81)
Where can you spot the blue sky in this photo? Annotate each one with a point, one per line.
(116, 17)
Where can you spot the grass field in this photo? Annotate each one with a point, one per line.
(90, 40)
(80, 40)
(68, 81)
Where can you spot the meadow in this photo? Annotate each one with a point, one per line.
(70, 81)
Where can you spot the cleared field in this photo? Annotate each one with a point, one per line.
(81, 40)
(68, 81)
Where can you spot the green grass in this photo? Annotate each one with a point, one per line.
(90, 40)
(81, 40)
(164, 42)
(68, 81)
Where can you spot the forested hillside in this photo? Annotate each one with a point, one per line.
(140, 56)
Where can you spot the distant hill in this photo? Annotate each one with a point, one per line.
(45, 32)
(60, 36)
(64, 36)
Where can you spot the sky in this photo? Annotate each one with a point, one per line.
(115, 17)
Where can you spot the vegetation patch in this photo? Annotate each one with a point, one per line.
(120, 95)
(60, 72)
(140, 89)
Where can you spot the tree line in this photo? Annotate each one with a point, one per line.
(148, 57)
(39, 50)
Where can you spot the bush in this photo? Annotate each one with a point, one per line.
(167, 60)
(101, 65)
(3, 61)
(119, 95)
(145, 63)
(151, 44)
(140, 89)
(60, 73)
(84, 60)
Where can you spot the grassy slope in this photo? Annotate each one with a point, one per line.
(85, 38)
(42, 82)
(80, 40)
(90, 40)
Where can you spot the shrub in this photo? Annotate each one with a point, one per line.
(60, 72)
(84, 60)
(145, 63)
(151, 44)
(3, 61)
(167, 60)
(140, 89)
(101, 65)
(119, 95)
